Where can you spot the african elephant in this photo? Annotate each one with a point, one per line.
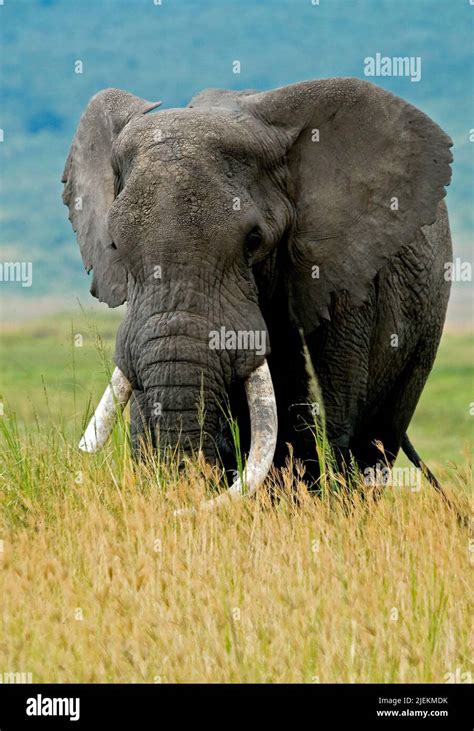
(246, 225)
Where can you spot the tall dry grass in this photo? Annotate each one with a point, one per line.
(100, 583)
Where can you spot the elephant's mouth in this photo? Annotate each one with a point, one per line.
(263, 426)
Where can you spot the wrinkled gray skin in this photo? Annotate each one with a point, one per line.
(317, 250)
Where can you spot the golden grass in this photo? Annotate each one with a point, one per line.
(100, 583)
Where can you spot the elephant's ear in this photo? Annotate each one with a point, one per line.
(367, 170)
(89, 187)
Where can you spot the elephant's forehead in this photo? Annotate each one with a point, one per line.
(177, 133)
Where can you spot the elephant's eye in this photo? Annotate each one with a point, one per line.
(254, 239)
(118, 184)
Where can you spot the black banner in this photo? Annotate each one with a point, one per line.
(377, 706)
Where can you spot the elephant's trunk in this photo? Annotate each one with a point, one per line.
(182, 383)
(183, 408)
(184, 388)
(264, 425)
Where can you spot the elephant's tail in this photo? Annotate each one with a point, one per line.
(415, 458)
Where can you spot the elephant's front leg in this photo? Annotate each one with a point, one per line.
(340, 352)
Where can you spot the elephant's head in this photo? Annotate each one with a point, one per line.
(206, 218)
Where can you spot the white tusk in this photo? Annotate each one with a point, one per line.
(264, 428)
(114, 400)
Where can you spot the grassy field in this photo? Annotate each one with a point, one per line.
(101, 583)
